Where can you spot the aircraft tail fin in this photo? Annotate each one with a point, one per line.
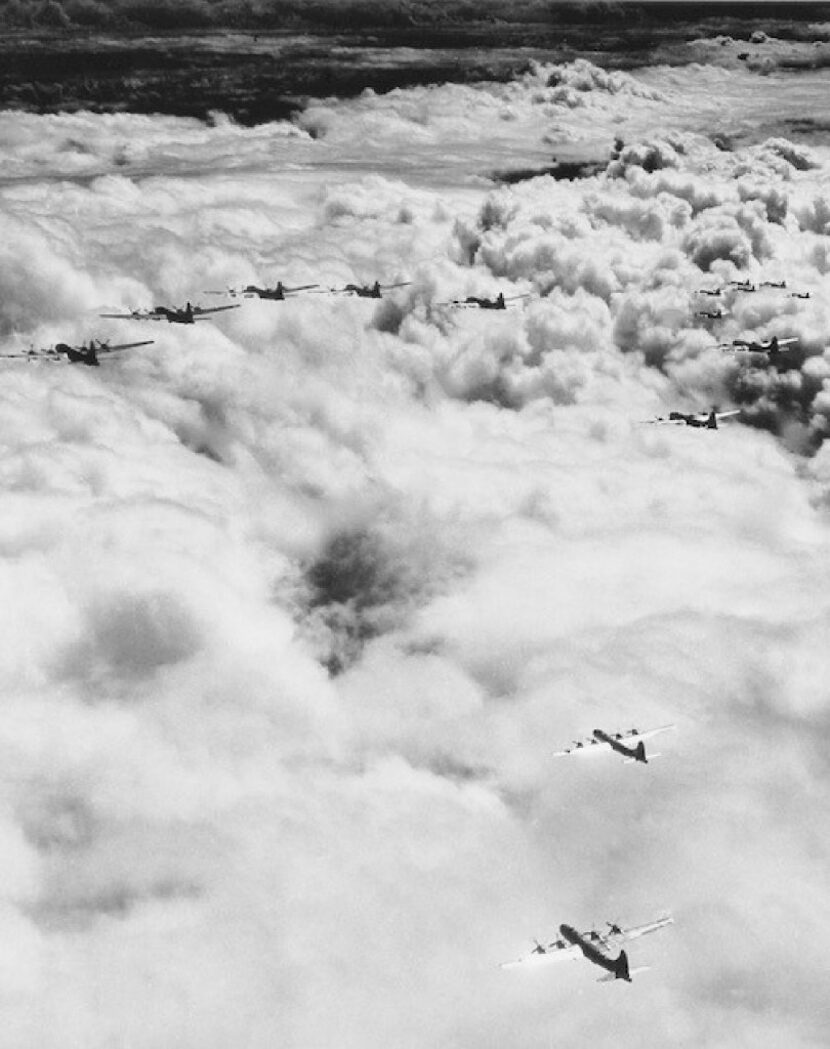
(712, 421)
(640, 755)
(620, 970)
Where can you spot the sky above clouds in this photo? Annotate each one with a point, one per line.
(300, 602)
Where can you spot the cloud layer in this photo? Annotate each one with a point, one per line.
(302, 601)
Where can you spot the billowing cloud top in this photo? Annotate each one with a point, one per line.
(300, 602)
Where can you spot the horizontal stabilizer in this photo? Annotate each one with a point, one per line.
(610, 977)
(633, 761)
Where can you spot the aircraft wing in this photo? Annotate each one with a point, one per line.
(400, 284)
(199, 311)
(725, 415)
(32, 355)
(550, 953)
(634, 932)
(788, 341)
(300, 287)
(123, 346)
(635, 737)
(134, 315)
(588, 746)
(592, 745)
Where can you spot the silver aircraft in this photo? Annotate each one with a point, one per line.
(698, 420)
(368, 291)
(596, 946)
(772, 347)
(481, 302)
(277, 294)
(630, 745)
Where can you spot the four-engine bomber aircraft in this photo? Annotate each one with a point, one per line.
(699, 420)
(594, 946)
(479, 302)
(369, 291)
(62, 352)
(772, 347)
(278, 294)
(173, 315)
(629, 744)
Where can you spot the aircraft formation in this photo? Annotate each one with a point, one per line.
(600, 948)
(773, 351)
(748, 287)
(604, 950)
(92, 352)
(597, 947)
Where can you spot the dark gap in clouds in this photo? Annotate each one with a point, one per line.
(90, 54)
(368, 579)
(354, 587)
(561, 170)
(646, 19)
(353, 569)
(187, 77)
(779, 399)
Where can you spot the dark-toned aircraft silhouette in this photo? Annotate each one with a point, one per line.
(277, 294)
(173, 315)
(629, 745)
(772, 347)
(714, 315)
(369, 291)
(773, 284)
(483, 303)
(594, 946)
(800, 295)
(64, 353)
(698, 420)
(742, 285)
(709, 291)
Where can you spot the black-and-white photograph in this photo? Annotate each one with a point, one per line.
(414, 524)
